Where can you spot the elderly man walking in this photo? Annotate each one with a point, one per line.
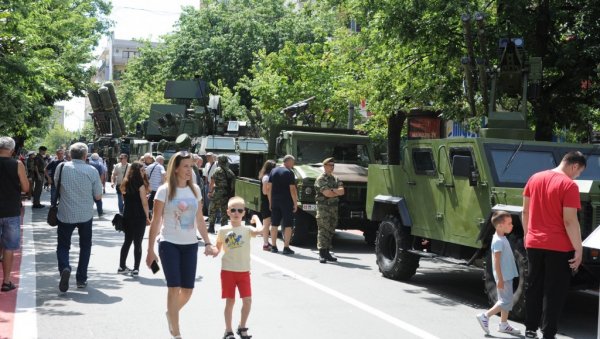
(13, 181)
(117, 176)
(156, 176)
(80, 186)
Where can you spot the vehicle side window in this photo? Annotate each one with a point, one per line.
(463, 152)
(423, 161)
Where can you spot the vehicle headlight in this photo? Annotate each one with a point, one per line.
(308, 191)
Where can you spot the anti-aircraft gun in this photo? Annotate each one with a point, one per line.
(190, 114)
(109, 127)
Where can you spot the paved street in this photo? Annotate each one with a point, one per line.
(293, 296)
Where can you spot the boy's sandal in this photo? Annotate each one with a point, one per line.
(228, 335)
(9, 286)
(245, 330)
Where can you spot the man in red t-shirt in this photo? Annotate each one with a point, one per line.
(552, 240)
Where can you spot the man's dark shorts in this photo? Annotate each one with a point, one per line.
(282, 215)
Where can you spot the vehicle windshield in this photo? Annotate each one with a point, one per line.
(531, 159)
(344, 152)
(220, 144)
(253, 145)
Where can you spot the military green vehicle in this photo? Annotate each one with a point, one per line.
(310, 146)
(436, 196)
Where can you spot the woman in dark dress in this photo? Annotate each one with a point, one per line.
(135, 189)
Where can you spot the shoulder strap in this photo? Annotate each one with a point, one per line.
(61, 165)
(152, 171)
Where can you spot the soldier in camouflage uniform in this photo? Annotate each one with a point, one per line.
(328, 190)
(219, 192)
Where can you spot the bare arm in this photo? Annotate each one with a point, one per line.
(211, 187)
(22, 177)
(143, 194)
(266, 188)
(259, 226)
(294, 193)
(269, 187)
(113, 177)
(525, 215)
(157, 216)
(329, 192)
(498, 270)
(574, 232)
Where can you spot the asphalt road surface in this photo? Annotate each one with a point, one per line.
(294, 297)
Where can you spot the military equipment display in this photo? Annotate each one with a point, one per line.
(310, 146)
(108, 124)
(436, 196)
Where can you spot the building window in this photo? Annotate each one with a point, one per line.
(129, 54)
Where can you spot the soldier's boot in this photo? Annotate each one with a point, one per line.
(211, 228)
(322, 254)
(329, 257)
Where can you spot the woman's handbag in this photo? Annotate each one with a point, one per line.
(52, 218)
(118, 222)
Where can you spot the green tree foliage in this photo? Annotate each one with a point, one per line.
(218, 43)
(58, 137)
(44, 45)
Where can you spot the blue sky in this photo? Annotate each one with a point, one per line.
(148, 19)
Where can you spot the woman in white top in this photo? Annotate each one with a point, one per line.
(176, 214)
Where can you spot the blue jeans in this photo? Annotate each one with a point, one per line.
(53, 195)
(64, 232)
(120, 200)
(99, 206)
(10, 233)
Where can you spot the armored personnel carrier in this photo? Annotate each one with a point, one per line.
(435, 197)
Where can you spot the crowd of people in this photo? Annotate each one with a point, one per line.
(172, 202)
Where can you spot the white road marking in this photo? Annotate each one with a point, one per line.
(360, 305)
(25, 321)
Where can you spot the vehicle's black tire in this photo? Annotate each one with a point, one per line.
(370, 235)
(519, 284)
(302, 233)
(391, 245)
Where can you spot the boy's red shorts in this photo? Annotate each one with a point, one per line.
(230, 280)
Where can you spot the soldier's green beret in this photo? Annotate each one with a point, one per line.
(328, 160)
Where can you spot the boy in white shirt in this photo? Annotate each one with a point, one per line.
(234, 239)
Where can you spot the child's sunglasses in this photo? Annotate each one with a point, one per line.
(239, 210)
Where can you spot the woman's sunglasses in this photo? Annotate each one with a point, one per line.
(239, 210)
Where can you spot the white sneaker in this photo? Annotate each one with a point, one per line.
(483, 322)
(506, 328)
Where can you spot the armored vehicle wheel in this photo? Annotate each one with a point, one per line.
(519, 285)
(304, 223)
(391, 244)
(370, 235)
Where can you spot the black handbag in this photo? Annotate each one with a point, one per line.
(52, 218)
(117, 222)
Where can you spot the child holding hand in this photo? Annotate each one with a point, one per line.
(234, 239)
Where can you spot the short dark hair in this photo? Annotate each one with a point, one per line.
(43, 148)
(498, 217)
(575, 157)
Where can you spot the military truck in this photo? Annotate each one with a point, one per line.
(310, 146)
(436, 196)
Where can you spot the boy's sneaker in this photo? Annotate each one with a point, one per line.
(274, 249)
(124, 270)
(531, 334)
(267, 247)
(287, 250)
(483, 322)
(506, 328)
(135, 273)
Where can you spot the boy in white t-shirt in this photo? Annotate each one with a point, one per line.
(234, 239)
